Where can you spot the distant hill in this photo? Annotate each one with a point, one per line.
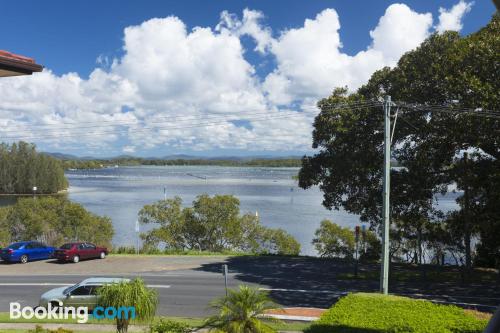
(70, 157)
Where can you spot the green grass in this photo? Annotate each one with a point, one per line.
(130, 251)
(193, 322)
(376, 313)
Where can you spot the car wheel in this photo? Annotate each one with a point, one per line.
(76, 259)
(24, 259)
(102, 255)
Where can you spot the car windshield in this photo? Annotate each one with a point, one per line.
(67, 246)
(15, 246)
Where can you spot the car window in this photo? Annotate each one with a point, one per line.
(29, 246)
(67, 246)
(90, 246)
(15, 246)
(81, 246)
(82, 291)
(93, 289)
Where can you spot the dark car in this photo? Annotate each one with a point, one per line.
(26, 251)
(79, 251)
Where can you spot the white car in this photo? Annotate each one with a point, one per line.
(81, 294)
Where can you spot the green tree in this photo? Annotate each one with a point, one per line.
(126, 294)
(446, 69)
(333, 240)
(22, 168)
(239, 312)
(53, 220)
(212, 224)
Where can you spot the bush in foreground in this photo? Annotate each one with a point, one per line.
(240, 311)
(378, 313)
(169, 326)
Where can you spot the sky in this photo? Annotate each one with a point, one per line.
(207, 78)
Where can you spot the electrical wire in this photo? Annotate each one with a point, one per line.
(142, 129)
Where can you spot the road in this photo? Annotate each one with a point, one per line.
(186, 286)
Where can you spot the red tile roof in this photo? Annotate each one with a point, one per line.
(17, 57)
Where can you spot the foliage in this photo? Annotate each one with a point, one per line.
(333, 241)
(239, 311)
(448, 70)
(212, 224)
(53, 220)
(22, 168)
(169, 326)
(126, 294)
(40, 329)
(382, 313)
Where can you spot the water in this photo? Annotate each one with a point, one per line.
(121, 192)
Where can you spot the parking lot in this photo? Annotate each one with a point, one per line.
(111, 265)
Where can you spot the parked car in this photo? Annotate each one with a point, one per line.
(26, 251)
(79, 251)
(81, 294)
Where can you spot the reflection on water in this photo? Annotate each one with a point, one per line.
(121, 192)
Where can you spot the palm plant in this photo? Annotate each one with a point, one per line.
(239, 312)
(126, 294)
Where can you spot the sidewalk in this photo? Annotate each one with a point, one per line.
(296, 314)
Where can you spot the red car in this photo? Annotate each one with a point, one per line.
(78, 251)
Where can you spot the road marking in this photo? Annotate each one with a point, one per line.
(37, 284)
(304, 291)
(160, 286)
(69, 284)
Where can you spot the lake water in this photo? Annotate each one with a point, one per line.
(271, 192)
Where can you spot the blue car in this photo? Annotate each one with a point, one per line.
(26, 251)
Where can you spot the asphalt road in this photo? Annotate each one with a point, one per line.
(181, 293)
(310, 282)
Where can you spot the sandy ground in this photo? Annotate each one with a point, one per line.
(115, 264)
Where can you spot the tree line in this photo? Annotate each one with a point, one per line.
(136, 161)
(437, 151)
(22, 168)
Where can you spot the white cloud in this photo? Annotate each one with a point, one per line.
(129, 149)
(311, 62)
(452, 19)
(171, 78)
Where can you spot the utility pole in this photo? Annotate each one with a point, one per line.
(384, 272)
(468, 260)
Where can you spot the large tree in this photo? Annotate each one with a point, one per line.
(446, 70)
(212, 224)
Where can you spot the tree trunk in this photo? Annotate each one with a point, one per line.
(121, 325)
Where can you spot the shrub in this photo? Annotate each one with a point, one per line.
(240, 312)
(169, 326)
(363, 312)
(40, 329)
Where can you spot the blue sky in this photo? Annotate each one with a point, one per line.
(69, 37)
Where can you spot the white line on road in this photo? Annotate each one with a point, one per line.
(304, 291)
(37, 284)
(68, 284)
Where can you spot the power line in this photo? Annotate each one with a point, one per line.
(143, 129)
(124, 123)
